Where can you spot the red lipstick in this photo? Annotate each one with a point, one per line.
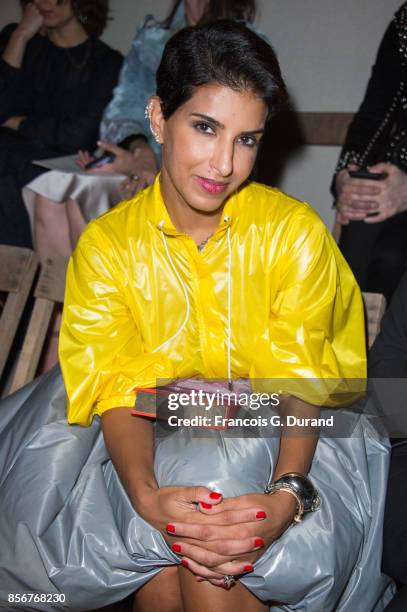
(211, 186)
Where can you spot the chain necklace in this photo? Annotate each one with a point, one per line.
(202, 244)
(81, 64)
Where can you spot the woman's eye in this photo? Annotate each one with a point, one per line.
(205, 128)
(248, 141)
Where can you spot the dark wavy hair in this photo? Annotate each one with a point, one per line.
(224, 52)
(92, 14)
(240, 10)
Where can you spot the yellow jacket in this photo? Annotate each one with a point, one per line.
(143, 304)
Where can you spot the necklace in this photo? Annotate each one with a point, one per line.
(202, 244)
(84, 61)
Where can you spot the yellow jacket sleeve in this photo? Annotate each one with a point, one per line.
(316, 340)
(101, 354)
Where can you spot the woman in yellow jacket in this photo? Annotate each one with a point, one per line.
(203, 276)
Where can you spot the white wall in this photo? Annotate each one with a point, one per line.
(326, 49)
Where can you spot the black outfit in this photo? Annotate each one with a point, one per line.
(63, 93)
(388, 359)
(377, 254)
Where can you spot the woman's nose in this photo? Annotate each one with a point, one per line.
(222, 158)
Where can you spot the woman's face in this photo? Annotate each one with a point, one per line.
(55, 14)
(209, 145)
(194, 9)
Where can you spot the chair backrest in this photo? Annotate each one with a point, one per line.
(18, 267)
(375, 305)
(49, 291)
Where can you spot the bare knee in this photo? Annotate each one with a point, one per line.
(162, 593)
(50, 230)
(44, 209)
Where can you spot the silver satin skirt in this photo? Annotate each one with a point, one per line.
(67, 526)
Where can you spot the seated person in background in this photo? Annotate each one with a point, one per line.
(123, 118)
(388, 359)
(56, 77)
(373, 212)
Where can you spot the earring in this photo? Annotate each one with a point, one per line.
(147, 115)
(83, 18)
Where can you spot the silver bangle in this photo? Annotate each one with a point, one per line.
(300, 487)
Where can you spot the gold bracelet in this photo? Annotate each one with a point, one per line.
(300, 506)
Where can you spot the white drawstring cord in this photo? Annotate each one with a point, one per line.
(158, 348)
(229, 329)
(229, 320)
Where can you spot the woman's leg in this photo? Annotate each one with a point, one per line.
(203, 596)
(161, 593)
(76, 221)
(51, 228)
(51, 235)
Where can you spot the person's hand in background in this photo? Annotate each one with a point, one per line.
(13, 122)
(31, 22)
(144, 170)
(371, 201)
(392, 198)
(138, 164)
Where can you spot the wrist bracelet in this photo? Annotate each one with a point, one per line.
(300, 507)
(300, 487)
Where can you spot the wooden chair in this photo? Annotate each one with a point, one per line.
(49, 291)
(17, 271)
(375, 306)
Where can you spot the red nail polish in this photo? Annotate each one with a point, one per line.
(170, 528)
(248, 568)
(258, 542)
(214, 495)
(184, 563)
(261, 515)
(205, 505)
(176, 548)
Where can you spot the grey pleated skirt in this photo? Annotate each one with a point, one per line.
(68, 530)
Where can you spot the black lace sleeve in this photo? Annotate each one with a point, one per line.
(372, 124)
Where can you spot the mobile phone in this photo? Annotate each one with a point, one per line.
(101, 160)
(105, 157)
(364, 173)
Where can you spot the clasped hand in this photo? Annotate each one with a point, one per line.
(31, 21)
(226, 536)
(139, 165)
(371, 201)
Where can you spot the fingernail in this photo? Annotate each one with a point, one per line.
(205, 505)
(261, 515)
(258, 543)
(248, 568)
(214, 495)
(200, 579)
(170, 528)
(184, 562)
(176, 548)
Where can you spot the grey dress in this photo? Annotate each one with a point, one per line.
(68, 529)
